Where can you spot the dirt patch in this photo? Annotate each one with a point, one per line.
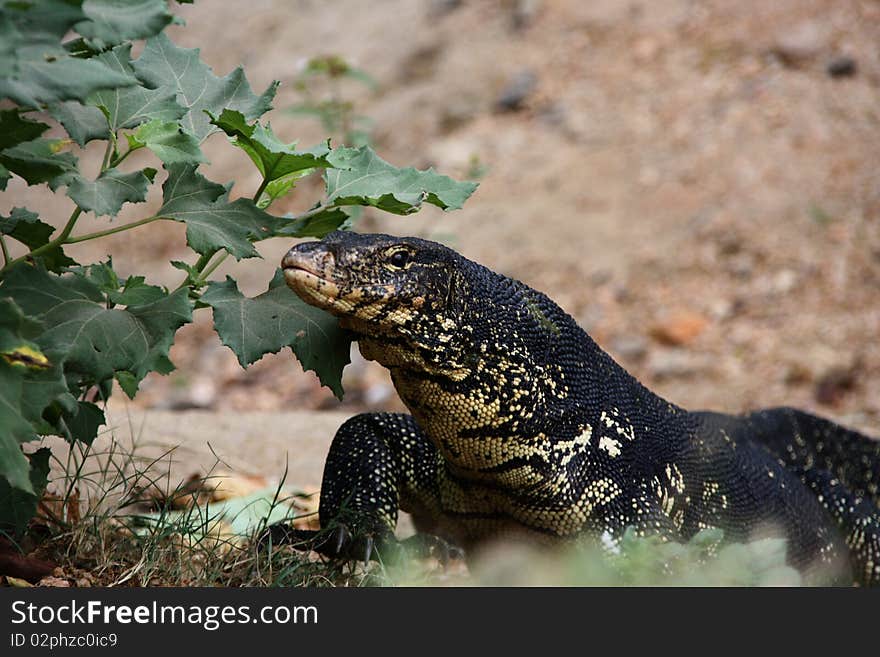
(641, 162)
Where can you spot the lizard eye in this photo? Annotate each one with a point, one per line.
(399, 259)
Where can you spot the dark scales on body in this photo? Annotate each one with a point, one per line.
(521, 424)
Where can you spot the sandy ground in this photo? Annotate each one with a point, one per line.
(687, 179)
(157, 450)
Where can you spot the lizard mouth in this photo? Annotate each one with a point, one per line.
(302, 275)
(309, 274)
(308, 262)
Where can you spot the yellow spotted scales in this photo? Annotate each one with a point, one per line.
(521, 425)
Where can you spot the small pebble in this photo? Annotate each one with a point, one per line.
(842, 67)
(799, 44)
(512, 98)
(443, 7)
(524, 13)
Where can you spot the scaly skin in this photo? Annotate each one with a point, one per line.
(522, 425)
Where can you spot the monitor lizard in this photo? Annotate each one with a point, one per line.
(521, 425)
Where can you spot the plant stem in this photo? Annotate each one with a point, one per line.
(108, 152)
(112, 231)
(201, 265)
(58, 241)
(64, 234)
(311, 213)
(119, 160)
(203, 261)
(210, 269)
(261, 189)
(65, 238)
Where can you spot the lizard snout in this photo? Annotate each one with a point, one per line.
(310, 271)
(312, 257)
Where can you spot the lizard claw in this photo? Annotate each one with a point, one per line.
(442, 553)
(430, 545)
(338, 542)
(368, 550)
(342, 535)
(283, 534)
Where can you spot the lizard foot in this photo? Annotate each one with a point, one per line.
(340, 542)
(422, 546)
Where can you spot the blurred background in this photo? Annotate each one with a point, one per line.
(697, 183)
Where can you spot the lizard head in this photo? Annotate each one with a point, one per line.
(461, 342)
(379, 285)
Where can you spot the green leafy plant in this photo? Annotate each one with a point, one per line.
(635, 560)
(69, 330)
(320, 85)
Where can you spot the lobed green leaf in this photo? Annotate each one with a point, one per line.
(277, 161)
(20, 405)
(107, 194)
(18, 503)
(360, 177)
(316, 225)
(91, 341)
(168, 142)
(212, 222)
(41, 161)
(109, 22)
(26, 227)
(37, 82)
(136, 292)
(80, 423)
(15, 129)
(35, 68)
(277, 319)
(130, 106)
(171, 69)
(83, 123)
(100, 275)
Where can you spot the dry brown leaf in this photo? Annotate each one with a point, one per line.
(227, 485)
(179, 498)
(57, 582)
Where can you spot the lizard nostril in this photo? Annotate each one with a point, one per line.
(311, 258)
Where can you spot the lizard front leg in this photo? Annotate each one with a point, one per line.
(378, 463)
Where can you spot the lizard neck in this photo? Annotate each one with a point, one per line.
(525, 393)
